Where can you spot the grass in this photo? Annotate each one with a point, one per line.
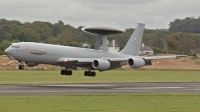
(164, 102)
(112, 76)
(137, 102)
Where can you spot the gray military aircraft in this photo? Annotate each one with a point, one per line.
(31, 53)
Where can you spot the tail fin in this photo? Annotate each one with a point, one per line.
(133, 45)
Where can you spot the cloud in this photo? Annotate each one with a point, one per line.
(114, 13)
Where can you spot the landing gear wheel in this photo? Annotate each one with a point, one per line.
(86, 73)
(90, 74)
(66, 72)
(93, 74)
(62, 72)
(70, 73)
(21, 67)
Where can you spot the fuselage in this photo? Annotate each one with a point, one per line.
(49, 54)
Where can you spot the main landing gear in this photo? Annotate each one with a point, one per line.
(66, 72)
(90, 73)
(86, 73)
(21, 67)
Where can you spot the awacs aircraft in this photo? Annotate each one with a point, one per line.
(32, 54)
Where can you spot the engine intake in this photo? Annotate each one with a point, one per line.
(136, 62)
(101, 64)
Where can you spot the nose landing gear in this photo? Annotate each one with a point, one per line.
(21, 67)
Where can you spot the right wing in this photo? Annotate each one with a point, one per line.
(90, 60)
(105, 63)
(161, 57)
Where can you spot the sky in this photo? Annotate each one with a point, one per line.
(120, 14)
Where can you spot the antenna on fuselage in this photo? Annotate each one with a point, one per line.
(102, 33)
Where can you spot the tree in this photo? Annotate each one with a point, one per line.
(3, 45)
(74, 44)
(170, 43)
(189, 25)
(43, 29)
(186, 44)
(30, 35)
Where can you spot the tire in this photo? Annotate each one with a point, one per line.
(93, 74)
(21, 67)
(62, 72)
(66, 72)
(86, 73)
(89, 73)
(70, 73)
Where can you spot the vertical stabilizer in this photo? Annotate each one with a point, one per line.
(133, 45)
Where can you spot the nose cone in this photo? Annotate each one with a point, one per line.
(7, 51)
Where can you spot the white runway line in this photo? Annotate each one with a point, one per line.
(31, 91)
(154, 88)
(194, 85)
(70, 91)
(79, 85)
(197, 87)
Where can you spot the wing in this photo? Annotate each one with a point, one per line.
(161, 57)
(145, 58)
(90, 60)
(75, 60)
(110, 63)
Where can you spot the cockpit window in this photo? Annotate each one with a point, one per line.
(15, 46)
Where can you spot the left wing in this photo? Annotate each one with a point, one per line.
(89, 60)
(75, 60)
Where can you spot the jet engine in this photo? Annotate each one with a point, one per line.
(101, 64)
(135, 62)
(30, 64)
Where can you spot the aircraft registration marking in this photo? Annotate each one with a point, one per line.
(27, 48)
(77, 54)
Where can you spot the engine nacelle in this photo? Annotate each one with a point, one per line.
(30, 64)
(135, 62)
(101, 64)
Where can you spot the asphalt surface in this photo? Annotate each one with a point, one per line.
(71, 89)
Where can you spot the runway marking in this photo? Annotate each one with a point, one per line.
(153, 88)
(69, 91)
(31, 91)
(78, 85)
(197, 87)
(57, 91)
(194, 85)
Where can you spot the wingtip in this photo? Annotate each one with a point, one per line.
(178, 56)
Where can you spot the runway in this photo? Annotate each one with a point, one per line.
(71, 89)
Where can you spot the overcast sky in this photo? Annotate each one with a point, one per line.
(120, 14)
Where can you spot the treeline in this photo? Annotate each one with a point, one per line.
(44, 32)
(189, 25)
(177, 42)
